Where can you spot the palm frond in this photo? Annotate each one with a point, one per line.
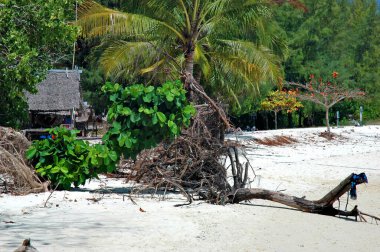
(153, 67)
(126, 58)
(201, 59)
(97, 20)
(255, 58)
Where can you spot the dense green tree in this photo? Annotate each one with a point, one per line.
(34, 35)
(337, 35)
(229, 46)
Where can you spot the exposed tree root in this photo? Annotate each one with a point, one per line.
(199, 165)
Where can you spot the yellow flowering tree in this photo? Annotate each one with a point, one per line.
(280, 100)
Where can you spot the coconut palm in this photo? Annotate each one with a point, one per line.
(230, 46)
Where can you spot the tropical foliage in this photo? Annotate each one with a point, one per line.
(229, 46)
(33, 36)
(65, 160)
(143, 116)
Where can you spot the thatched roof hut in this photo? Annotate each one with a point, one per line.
(58, 93)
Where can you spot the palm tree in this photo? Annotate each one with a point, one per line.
(229, 46)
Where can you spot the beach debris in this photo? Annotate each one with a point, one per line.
(95, 200)
(15, 174)
(323, 206)
(276, 141)
(26, 247)
(199, 166)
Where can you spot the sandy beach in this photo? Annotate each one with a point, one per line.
(311, 166)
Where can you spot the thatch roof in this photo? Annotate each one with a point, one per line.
(58, 92)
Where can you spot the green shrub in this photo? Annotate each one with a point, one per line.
(64, 160)
(143, 116)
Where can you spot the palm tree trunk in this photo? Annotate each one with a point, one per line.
(189, 62)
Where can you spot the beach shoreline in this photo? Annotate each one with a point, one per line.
(311, 166)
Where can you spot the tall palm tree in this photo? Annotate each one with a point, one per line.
(230, 46)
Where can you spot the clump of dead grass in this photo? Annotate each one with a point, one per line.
(15, 175)
(276, 141)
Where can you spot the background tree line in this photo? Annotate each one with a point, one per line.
(338, 35)
(326, 36)
(341, 36)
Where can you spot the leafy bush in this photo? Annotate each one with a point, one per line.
(64, 160)
(143, 116)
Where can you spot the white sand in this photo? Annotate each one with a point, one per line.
(311, 167)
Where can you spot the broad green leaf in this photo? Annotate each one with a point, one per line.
(116, 126)
(116, 87)
(94, 161)
(55, 169)
(161, 117)
(126, 111)
(147, 98)
(149, 89)
(128, 143)
(112, 155)
(114, 97)
(169, 97)
(44, 153)
(148, 111)
(31, 152)
(64, 169)
(189, 109)
(121, 139)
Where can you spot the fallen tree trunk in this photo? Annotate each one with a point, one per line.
(323, 206)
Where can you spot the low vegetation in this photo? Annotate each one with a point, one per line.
(140, 116)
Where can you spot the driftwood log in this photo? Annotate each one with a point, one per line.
(323, 206)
